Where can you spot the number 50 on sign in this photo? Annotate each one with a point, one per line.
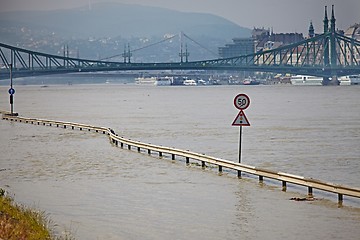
(242, 101)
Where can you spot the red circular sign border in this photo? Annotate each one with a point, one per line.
(246, 96)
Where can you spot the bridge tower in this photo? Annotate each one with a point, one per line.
(183, 54)
(333, 57)
(127, 54)
(333, 52)
(326, 43)
(330, 55)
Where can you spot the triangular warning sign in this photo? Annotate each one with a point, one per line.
(241, 120)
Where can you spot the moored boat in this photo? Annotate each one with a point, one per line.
(306, 80)
(250, 81)
(145, 80)
(350, 80)
(164, 81)
(189, 82)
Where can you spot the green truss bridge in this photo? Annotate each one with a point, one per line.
(328, 55)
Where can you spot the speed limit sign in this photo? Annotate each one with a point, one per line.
(242, 101)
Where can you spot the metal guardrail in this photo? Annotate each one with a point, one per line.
(285, 178)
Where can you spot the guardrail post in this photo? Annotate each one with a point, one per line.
(72, 127)
(149, 151)
(64, 126)
(203, 164)
(187, 160)
(220, 168)
(261, 179)
(121, 144)
(172, 156)
(340, 198)
(284, 186)
(129, 147)
(310, 191)
(139, 149)
(160, 154)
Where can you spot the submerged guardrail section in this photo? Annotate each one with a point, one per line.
(285, 178)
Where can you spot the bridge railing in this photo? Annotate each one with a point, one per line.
(285, 178)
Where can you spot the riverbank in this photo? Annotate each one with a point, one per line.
(20, 222)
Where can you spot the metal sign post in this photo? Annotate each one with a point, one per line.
(241, 102)
(11, 92)
(240, 136)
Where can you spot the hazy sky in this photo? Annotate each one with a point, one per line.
(282, 15)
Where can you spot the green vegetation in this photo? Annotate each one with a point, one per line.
(18, 222)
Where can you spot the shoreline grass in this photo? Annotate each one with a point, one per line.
(22, 223)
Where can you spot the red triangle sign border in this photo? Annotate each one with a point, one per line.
(241, 120)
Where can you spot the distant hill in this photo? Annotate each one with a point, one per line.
(125, 20)
(104, 30)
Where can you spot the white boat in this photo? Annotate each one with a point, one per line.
(145, 80)
(344, 81)
(350, 80)
(190, 82)
(164, 81)
(306, 80)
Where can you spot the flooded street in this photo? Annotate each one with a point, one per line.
(99, 191)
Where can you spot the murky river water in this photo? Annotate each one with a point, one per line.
(99, 191)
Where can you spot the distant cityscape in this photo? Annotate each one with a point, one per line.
(265, 39)
(165, 46)
(168, 51)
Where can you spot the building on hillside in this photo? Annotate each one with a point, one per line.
(262, 39)
(239, 47)
(272, 40)
(352, 32)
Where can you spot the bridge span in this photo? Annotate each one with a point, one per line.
(328, 55)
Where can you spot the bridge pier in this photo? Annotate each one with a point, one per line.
(330, 81)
